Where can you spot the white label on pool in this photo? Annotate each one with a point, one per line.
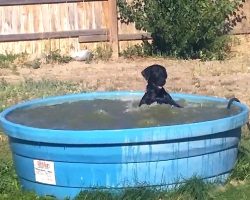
(44, 171)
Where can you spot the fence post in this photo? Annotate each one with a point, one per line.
(113, 27)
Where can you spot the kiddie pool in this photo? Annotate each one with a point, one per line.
(64, 162)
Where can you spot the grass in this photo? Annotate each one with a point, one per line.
(103, 52)
(238, 186)
(12, 94)
(133, 51)
(231, 192)
(11, 61)
(57, 57)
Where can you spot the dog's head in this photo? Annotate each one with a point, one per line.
(155, 74)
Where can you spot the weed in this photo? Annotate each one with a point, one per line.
(193, 189)
(56, 57)
(138, 50)
(241, 170)
(133, 51)
(103, 52)
(10, 60)
(95, 195)
(10, 187)
(231, 192)
(35, 64)
(8, 177)
(141, 193)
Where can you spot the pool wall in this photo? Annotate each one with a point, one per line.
(64, 162)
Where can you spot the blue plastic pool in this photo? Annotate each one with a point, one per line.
(64, 162)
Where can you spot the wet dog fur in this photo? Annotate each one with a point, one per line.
(156, 76)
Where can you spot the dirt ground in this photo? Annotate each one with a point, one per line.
(225, 79)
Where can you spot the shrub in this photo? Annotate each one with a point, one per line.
(138, 50)
(184, 28)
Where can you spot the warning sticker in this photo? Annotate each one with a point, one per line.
(44, 171)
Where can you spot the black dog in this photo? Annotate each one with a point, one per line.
(230, 102)
(156, 76)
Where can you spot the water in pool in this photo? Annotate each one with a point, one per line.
(117, 114)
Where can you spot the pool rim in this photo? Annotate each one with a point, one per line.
(117, 136)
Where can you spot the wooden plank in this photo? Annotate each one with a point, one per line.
(53, 19)
(36, 18)
(122, 37)
(105, 10)
(113, 28)
(71, 16)
(24, 19)
(80, 15)
(75, 16)
(98, 16)
(1, 20)
(65, 17)
(50, 35)
(239, 32)
(88, 17)
(31, 2)
(135, 36)
(30, 20)
(8, 20)
(93, 38)
(46, 18)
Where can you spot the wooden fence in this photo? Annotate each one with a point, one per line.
(38, 26)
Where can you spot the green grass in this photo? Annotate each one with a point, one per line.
(241, 171)
(11, 94)
(232, 192)
(238, 186)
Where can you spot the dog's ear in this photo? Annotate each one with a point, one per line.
(146, 73)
